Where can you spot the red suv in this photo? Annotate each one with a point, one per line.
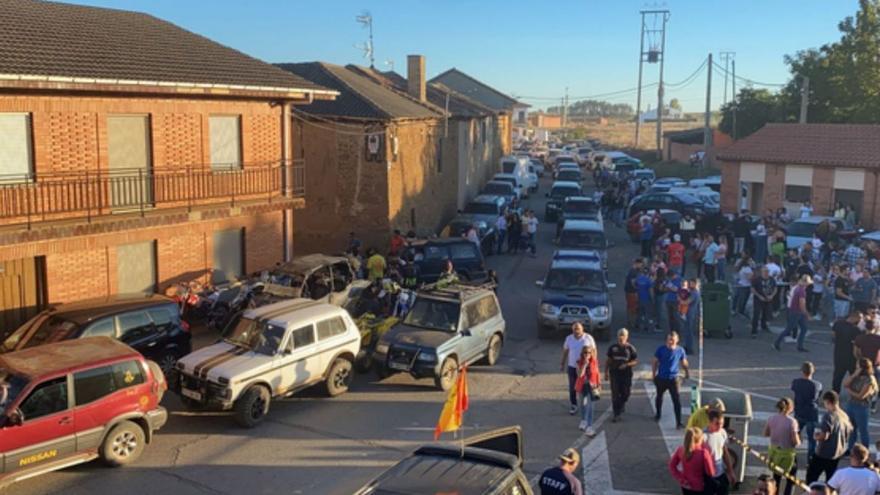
(69, 402)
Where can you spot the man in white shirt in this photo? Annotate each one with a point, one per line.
(532, 229)
(571, 352)
(858, 479)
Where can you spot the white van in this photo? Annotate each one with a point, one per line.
(519, 166)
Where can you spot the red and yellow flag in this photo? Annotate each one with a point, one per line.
(456, 405)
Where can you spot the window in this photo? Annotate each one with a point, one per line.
(481, 311)
(127, 374)
(466, 251)
(164, 317)
(16, 157)
(136, 268)
(331, 328)
(93, 384)
(798, 194)
(133, 326)
(228, 255)
(101, 328)
(303, 337)
(47, 398)
(225, 136)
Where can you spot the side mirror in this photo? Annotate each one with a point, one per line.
(539, 283)
(466, 332)
(612, 286)
(14, 418)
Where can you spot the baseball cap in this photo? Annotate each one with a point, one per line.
(570, 455)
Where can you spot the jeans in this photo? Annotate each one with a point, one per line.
(761, 249)
(738, 244)
(658, 311)
(670, 384)
(572, 379)
(672, 314)
(679, 269)
(621, 385)
(796, 320)
(647, 246)
(502, 236)
(720, 266)
(740, 298)
(808, 427)
(858, 414)
(645, 321)
(689, 331)
(531, 243)
(841, 309)
(587, 406)
(723, 485)
(761, 310)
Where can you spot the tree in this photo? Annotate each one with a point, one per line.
(754, 108)
(673, 103)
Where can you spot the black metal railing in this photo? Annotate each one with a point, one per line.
(89, 194)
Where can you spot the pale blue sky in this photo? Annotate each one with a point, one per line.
(529, 49)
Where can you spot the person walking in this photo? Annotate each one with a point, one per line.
(560, 480)
(531, 231)
(668, 360)
(644, 285)
(710, 258)
(806, 404)
(763, 291)
(587, 387)
(672, 285)
(716, 441)
(571, 353)
(858, 478)
(692, 463)
(832, 437)
(843, 336)
(622, 358)
(797, 315)
(744, 275)
(861, 388)
(784, 439)
(501, 229)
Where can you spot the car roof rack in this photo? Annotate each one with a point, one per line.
(456, 290)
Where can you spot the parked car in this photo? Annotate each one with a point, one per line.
(487, 464)
(504, 189)
(445, 329)
(801, 230)
(459, 226)
(431, 256)
(150, 324)
(566, 166)
(519, 183)
(314, 276)
(671, 182)
(585, 234)
(70, 402)
(578, 208)
(538, 165)
(575, 289)
(643, 175)
(267, 353)
(517, 166)
(569, 175)
(558, 192)
(682, 203)
(532, 177)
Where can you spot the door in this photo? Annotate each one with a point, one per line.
(469, 340)
(47, 433)
(302, 362)
(22, 291)
(136, 329)
(136, 268)
(104, 393)
(342, 277)
(228, 256)
(130, 161)
(756, 202)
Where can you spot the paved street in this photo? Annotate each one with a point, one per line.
(314, 445)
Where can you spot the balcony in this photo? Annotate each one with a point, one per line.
(90, 196)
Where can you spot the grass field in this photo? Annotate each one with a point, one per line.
(622, 134)
(682, 170)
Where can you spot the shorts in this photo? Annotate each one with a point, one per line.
(632, 303)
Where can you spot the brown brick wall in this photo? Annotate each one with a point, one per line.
(822, 190)
(774, 186)
(730, 191)
(870, 203)
(77, 275)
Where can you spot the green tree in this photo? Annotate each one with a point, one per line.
(674, 103)
(754, 108)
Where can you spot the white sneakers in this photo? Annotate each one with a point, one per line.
(582, 426)
(591, 432)
(573, 410)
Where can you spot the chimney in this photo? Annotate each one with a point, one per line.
(415, 76)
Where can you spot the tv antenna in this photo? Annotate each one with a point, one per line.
(390, 65)
(366, 20)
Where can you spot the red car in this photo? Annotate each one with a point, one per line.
(70, 402)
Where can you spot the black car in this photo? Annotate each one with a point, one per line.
(578, 208)
(558, 192)
(150, 324)
(575, 289)
(503, 189)
(431, 256)
(682, 203)
(488, 464)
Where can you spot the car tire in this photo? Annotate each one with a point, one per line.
(167, 363)
(493, 350)
(382, 371)
(448, 374)
(124, 444)
(251, 408)
(338, 377)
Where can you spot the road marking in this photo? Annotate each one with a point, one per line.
(594, 459)
(671, 436)
(579, 444)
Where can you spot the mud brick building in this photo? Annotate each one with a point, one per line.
(135, 154)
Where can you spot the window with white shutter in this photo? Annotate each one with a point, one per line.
(16, 149)
(225, 136)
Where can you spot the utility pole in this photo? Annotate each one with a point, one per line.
(707, 129)
(652, 49)
(562, 111)
(727, 58)
(565, 108)
(660, 90)
(805, 98)
(735, 102)
(639, 97)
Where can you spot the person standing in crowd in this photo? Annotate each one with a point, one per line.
(806, 210)
(560, 480)
(694, 305)
(784, 439)
(778, 276)
(571, 353)
(744, 275)
(658, 293)
(646, 237)
(817, 293)
(716, 441)
(861, 388)
(864, 289)
(514, 232)
(622, 358)
(668, 359)
(632, 293)
(721, 260)
(858, 478)
(797, 315)
(644, 286)
(587, 386)
(532, 231)
(700, 417)
(688, 227)
(354, 245)
(761, 242)
(843, 335)
(763, 291)
(867, 345)
(375, 265)
(806, 403)
(692, 463)
(832, 436)
(842, 299)
(672, 286)
(675, 255)
(397, 243)
(710, 259)
(765, 485)
(740, 232)
(501, 228)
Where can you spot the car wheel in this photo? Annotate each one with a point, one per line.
(167, 362)
(493, 352)
(382, 371)
(251, 408)
(123, 445)
(338, 377)
(448, 374)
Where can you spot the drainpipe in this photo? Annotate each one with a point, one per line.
(287, 180)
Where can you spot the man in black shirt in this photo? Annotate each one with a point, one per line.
(740, 233)
(844, 333)
(560, 480)
(842, 298)
(622, 357)
(763, 291)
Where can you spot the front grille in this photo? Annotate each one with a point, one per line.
(402, 356)
(191, 382)
(575, 310)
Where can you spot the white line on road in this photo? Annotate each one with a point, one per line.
(580, 442)
(596, 462)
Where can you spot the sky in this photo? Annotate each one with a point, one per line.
(531, 50)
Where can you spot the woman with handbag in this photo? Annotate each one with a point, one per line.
(691, 465)
(588, 387)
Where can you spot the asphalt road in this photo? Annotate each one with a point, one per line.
(314, 445)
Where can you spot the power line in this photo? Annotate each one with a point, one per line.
(310, 120)
(747, 80)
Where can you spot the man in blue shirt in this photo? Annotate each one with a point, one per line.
(644, 284)
(667, 360)
(673, 284)
(709, 260)
(646, 236)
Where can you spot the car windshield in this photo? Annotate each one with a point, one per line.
(434, 314)
(582, 239)
(481, 208)
(10, 386)
(564, 192)
(572, 175)
(568, 279)
(258, 336)
(508, 167)
(509, 180)
(458, 229)
(580, 207)
(497, 189)
(801, 229)
(49, 328)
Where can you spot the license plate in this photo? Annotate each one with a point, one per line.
(398, 366)
(191, 394)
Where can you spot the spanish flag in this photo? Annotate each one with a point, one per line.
(456, 405)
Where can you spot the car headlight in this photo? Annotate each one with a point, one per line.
(426, 356)
(382, 348)
(549, 309)
(600, 311)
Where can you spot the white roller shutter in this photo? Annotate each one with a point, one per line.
(849, 179)
(752, 172)
(798, 175)
(228, 255)
(225, 135)
(136, 268)
(15, 147)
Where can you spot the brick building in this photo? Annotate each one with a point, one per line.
(678, 146)
(784, 165)
(134, 154)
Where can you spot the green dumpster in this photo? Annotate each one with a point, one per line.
(716, 310)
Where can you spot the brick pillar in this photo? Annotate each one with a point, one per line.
(730, 191)
(822, 190)
(870, 202)
(774, 186)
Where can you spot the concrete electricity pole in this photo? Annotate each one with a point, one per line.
(639, 97)
(727, 58)
(735, 102)
(707, 129)
(653, 53)
(660, 90)
(805, 98)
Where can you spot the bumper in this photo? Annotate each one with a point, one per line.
(200, 391)
(417, 368)
(562, 324)
(157, 418)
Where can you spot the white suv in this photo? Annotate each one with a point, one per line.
(268, 352)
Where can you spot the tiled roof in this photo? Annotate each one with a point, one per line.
(845, 145)
(477, 90)
(360, 96)
(51, 39)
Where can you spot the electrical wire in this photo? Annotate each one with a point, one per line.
(308, 119)
(745, 79)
